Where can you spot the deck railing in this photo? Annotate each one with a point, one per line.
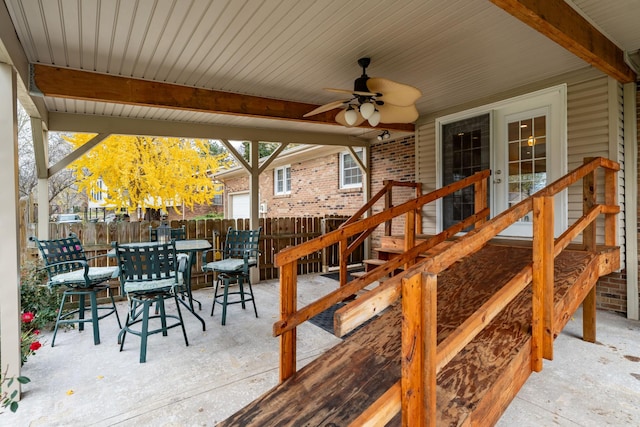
(348, 247)
(422, 358)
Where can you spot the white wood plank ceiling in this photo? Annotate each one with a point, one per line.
(453, 50)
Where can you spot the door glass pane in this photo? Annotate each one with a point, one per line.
(527, 163)
(465, 151)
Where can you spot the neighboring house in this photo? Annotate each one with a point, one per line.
(312, 180)
(97, 207)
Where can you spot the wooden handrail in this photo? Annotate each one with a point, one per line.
(372, 201)
(287, 255)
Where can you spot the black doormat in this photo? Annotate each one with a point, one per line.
(324, 319)
(335, 275)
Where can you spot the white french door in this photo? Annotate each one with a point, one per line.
(523, 142)
(530, 153)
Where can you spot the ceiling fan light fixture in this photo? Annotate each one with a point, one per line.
(374, 120)
(351, 116)
(367, 109)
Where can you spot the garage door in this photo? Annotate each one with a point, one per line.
(240, 206)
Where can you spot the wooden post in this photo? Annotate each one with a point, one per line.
(344, 259)
(480, 199)
(388, 203)
(589, 243)
(288, 298)
(419, 333)
(611, 199)
(543, 286)
(419, 212)
(410, 235)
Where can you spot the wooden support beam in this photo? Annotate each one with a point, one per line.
(610, 219)
(561, 23)
(412, 351)
(543, 284)
(288, 298)
(68, 83)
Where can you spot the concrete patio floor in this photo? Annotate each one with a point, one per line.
(225, 367)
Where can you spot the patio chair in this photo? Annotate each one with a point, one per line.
(148, 275)
(239, 253)
(68, 267)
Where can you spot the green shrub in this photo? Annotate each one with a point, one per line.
(36, 297)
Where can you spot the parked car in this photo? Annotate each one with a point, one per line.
(68, 218)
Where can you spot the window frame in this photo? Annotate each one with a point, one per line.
(284, 180)
(343, 185)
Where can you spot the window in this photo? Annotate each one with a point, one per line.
(350, 173)
(97, 193)
(282, 180)
(217, 199)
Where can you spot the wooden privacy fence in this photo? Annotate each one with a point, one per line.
(277, 234)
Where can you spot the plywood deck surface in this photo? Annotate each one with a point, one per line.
(334, 389)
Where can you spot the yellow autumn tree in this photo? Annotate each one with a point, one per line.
(148, 172)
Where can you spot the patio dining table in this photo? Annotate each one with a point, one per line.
(191, 249)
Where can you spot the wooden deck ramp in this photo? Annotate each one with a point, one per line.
(473, 389)
(454, 334)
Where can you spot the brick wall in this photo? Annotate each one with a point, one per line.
(392, 160)
(315, 190)
(315, 183)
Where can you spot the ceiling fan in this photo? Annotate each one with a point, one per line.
(376, 100)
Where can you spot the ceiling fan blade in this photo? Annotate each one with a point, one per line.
(340, 119)
(394, 93)
(326, 107)
(395, 114)
(351, 92)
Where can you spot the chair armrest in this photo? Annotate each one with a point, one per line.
(204, 255)
(82, 262)
(105, 255)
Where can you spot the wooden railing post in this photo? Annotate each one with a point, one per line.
(410, 235)
(419, 211)
(388, 203)
(543, 285)
(610, 199)
(344, 260)
(419, 341)
(589, 242)
(480, 199)
(288, 298)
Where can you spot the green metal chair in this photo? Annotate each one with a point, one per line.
(148, 275)
(68, 267)
(239, 253)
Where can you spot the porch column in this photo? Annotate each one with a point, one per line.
(9, 250)
(254, 191)
(631, 192)
(41, 150)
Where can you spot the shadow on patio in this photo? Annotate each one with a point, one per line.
(226, 367)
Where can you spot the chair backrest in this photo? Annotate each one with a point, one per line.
(241, 244)
(176, 234)
(147, 262)
(58, 255)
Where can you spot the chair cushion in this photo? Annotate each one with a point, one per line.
(76, 277)
(230, 264)
(150, 286)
